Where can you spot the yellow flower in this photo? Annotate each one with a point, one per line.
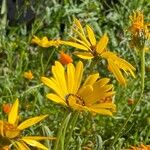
(68, 90)
(44, 42)
(139, 27)
(10, 131)
(28, 75)
(90, 48)
(142, 147)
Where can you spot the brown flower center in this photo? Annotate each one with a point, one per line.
(79, 99)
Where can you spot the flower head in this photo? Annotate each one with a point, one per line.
(65, 58)
(28, 75)
(44, 42)
(7, 108)
(68, 90)
(90, 48)
(142, 147)
(10, 131)
(139, 30)
(138, 25)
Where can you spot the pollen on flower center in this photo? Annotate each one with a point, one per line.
(10, 130)
(79, 99)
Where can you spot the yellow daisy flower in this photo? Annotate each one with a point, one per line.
(10, 131)
(44, 42)
(90, 48)
(68, 90)
(28, 75)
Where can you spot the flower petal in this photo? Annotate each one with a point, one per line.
(78, 76)
(39, 138)
(56, 98)
(84, 55)
(29, 122)
(21, 146)
(91, 79)
(78, 24)
(76, 45)
(13, 114)
(101, 45)
(51, 83)
(91, 35)
(34, 143)
(70, 78)
(59, 75)
(100, 111)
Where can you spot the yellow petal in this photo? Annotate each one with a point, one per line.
(1, 128)
(13, 114)
(39, 138)
(76, 45)
(70, 78)
(84, 55)
(56, 98)
(51, 83)
(91, 35)
(101, 45)
(83, 38)
(103, 81)
(104, 105)
(78, 75)
(34, 143)
(29, 122)
(85, 90)
(91, 79)
(21, 146)
(116, 71)
(59, 75)
(99, 92)
(101, 111)
(78, 24)
(80, 42)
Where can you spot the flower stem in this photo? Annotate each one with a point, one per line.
(72, 126)
(137, 102)
(59, 144)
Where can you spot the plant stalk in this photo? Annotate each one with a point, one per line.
(137, 102)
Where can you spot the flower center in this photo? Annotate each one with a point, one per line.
(79, 100)
(93, 50)
(10, 130)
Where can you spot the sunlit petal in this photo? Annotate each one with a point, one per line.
(34, 143)
(13, 114)
(91, 35)
(70, 77)
(56, 98)
(101, 45)
(84, 55)
(76, 45)
(29, 122)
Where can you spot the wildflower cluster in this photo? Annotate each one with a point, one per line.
(74, 89)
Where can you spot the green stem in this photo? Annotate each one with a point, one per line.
(137, 102)
(61, 134)
(72, 126)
